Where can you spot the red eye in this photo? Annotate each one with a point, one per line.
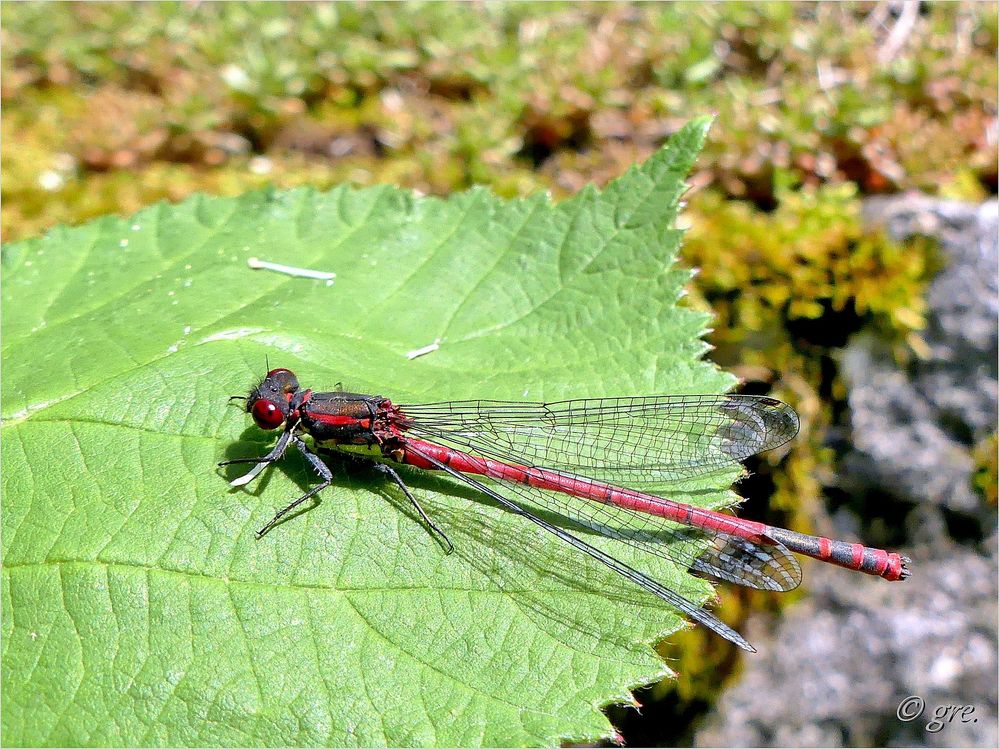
(276, 371)
(266, 414)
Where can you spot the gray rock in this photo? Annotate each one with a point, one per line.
(959, 379)
(845, 660)
(913, 429)
(840, 663)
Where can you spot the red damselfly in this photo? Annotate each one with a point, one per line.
(586, 460)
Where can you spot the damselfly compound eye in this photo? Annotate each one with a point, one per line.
(281, 369)
(266, 414)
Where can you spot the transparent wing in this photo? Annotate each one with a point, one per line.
(502, 492)
(629, 442)
(633, 442)
(716, 553)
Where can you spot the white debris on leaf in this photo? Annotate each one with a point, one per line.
(290, 270)
(425, 350)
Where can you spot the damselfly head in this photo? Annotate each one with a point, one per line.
(269, 402)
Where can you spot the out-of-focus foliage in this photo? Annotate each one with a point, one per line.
(438, 96)
(987, 473)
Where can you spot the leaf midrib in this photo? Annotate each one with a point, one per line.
(191, 574)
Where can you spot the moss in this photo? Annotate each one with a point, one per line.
(787, 287)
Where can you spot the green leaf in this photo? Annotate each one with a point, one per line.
(138, 608)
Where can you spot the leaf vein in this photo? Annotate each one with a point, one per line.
(430, 666)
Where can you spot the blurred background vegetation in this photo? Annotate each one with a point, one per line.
(108, 107)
